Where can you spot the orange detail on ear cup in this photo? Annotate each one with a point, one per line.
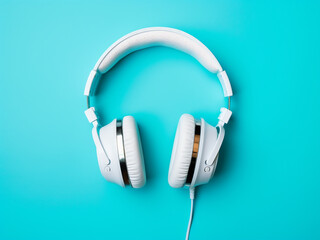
(196, 145)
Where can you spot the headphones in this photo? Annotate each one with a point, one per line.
(197, 143)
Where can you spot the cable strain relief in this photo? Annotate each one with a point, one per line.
(192, 193)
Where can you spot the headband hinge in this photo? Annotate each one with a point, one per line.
(91, 115)
(224, 116)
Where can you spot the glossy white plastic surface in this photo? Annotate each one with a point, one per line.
(224, 80)
(216, 147)
(225, 115)
(91, 115)
(112, 171)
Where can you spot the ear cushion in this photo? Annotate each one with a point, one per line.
(133, 152)
(182, 151)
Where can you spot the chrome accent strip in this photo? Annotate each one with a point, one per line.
(121, 154)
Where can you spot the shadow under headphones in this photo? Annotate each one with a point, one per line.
(197, 143)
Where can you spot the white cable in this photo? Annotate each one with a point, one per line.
(191, 212)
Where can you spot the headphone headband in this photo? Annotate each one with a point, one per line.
(157, 36)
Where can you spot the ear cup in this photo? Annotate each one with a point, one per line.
(133, 152)
(182, 151)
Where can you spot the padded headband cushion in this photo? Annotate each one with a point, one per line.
(149, 37)
(157, 36)
(133, 152)
(182, 151)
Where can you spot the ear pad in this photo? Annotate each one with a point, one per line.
(133, 152)
(182, 151)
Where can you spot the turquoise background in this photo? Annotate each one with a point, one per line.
(267, 182)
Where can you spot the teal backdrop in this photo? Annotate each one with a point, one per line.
(267, 182)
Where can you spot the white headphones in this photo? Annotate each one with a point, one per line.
(197, 143)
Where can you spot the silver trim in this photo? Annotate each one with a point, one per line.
(120, 141)
(121, 154)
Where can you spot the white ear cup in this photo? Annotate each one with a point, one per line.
(111, 172)
(133, 152)
(182, 151)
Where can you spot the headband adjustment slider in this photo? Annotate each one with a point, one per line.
(224, 80)
(91, 115)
